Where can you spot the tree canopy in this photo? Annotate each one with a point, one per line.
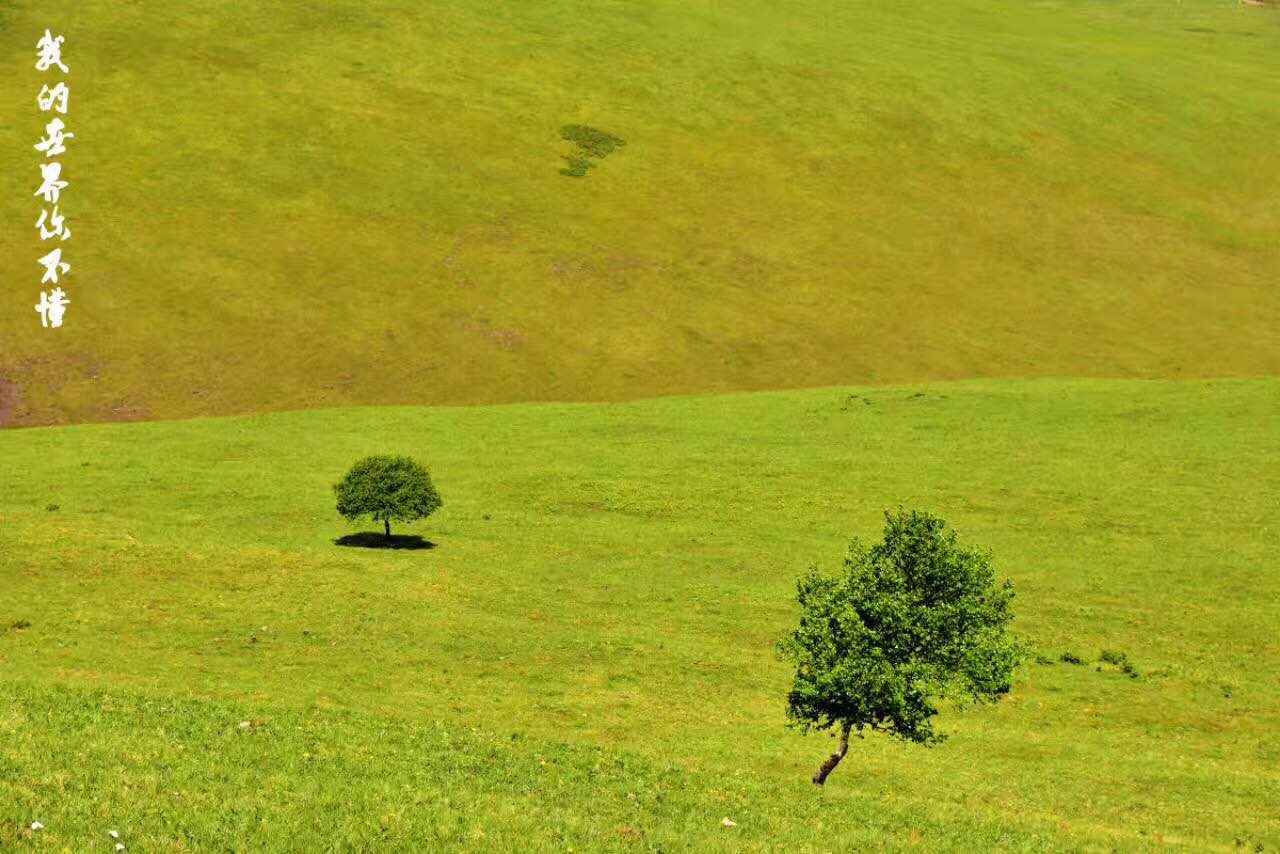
(387, 488)
(910, 620)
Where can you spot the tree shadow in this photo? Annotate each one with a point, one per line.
(374, 540)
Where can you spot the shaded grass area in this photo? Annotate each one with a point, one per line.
(614, 577)
(375, 540)
(358, 201)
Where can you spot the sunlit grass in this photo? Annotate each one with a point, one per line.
(614, 577)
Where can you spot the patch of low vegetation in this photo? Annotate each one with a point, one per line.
(851, 401)
(591, 143)
(1120, 660)
(577, 167)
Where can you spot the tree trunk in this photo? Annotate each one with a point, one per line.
(834, 759)
(387, 522)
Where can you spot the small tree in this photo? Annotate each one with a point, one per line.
(387, 488)
(912, 619)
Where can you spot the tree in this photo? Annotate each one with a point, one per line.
(910, 620)
(387, 488)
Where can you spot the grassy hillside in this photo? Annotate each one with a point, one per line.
(360, 201)
(603, 593)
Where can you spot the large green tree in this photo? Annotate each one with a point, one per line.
(910, 620)
(386, 488)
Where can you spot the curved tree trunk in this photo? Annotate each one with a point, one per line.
(387, 522)
(834, 759)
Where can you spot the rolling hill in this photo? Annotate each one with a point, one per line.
(362, 201)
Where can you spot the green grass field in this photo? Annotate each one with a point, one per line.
(1012, 263)
(606, 584)
(360, 201)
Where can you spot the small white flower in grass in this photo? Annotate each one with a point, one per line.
(119, 846)
(114, 834)
(246, 724)
(727, 822)
(35, 825)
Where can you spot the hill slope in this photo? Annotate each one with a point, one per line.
(614, 576)
(360, 201)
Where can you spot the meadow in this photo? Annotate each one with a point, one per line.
(673, 299)
(361, 201)
(584, 657)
